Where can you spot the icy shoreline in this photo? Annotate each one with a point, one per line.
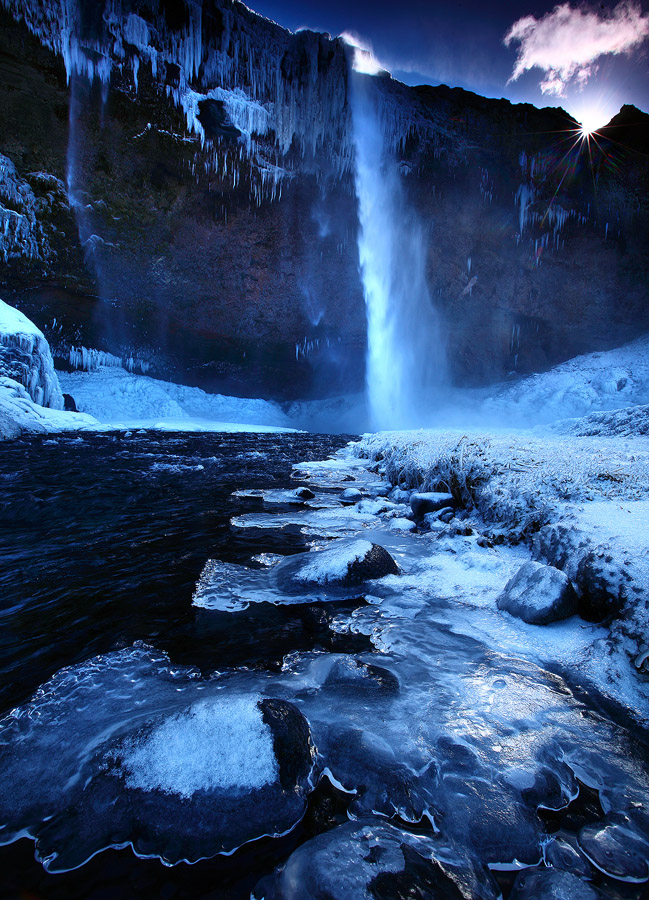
(579, 505)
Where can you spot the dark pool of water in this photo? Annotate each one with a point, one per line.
(102, 540)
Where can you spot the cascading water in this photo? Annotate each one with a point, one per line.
(406, 365)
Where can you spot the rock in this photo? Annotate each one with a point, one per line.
(377, 563)
(562, 855)
(421, 503)
(68, 403)
(399, 495)
(402, 524)
(551, 884)
(304, 493)
(373, 859)
(343, 563)
(539, 594)
(292, 743)
(601, 585)
(617, 850)
(351, 495)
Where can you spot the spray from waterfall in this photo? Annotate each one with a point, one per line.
(406, 366)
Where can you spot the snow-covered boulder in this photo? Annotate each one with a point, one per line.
(422, 503)
(345, 563)
(351, 495)
(539, 594)
(25, 357)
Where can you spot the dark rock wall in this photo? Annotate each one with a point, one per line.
(210, 164)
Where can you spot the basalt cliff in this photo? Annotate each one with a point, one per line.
(177, 190)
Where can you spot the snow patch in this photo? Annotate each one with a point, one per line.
(333, 563)
(214, 745)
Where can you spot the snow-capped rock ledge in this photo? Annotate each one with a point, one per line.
(580, 503)
(25, 357)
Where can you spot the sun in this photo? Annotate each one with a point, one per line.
(591, 121)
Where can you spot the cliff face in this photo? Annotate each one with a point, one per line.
(178, 185)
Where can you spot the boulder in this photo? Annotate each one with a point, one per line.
(303, 493)
(343, 563)
(539, 594)
(602, 585)
(351, 495)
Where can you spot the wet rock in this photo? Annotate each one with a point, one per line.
(539, 594)
(422, 503)
(617, 850)
(370, 860)
(68, 403)
(343, 563)
(304, 493)
(351, 495)
(602, 586)
(292, 743)
(560, 854)
(551, 884)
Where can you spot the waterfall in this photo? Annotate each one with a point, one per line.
(406, 365)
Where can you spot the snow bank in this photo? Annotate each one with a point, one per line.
(117, 397)
(19, 413)
(518, 479)
(26, 358)
(591, 383)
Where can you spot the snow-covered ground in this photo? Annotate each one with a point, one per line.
(31, 394)
(119, 398)
(594, 382)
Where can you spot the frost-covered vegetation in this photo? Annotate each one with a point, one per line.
(519, 480)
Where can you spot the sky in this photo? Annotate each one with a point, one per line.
(589, 58)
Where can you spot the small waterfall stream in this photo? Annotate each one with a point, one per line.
(406, 366)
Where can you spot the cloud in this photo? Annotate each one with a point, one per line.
(567, 42)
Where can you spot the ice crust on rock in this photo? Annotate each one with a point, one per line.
(21, 232)
(212, 745)
(539, 594)
(551, 884)
(359, 859)
(181, 767)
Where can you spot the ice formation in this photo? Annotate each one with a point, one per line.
(21, 234)
(25, 357)
(288, 88)
(116, 396)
